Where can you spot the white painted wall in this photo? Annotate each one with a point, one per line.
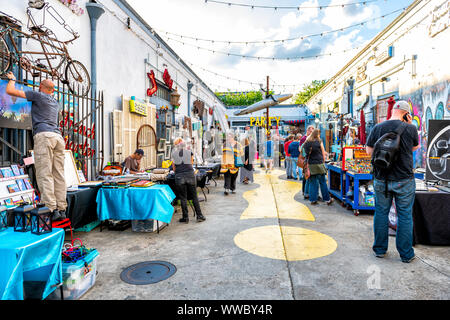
(121, 55)
(409, 36)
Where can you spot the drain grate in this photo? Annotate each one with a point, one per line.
(148, 272)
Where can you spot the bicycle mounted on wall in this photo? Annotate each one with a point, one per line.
(54, 59)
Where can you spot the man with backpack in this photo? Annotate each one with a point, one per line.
(391, 145)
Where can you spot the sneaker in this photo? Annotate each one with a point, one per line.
(200, 218)
(379, 255)
(184, 220)
(330, 202)
(305, 197)
(409, 260)
(314, 203)
(233, 192)
(225, 192)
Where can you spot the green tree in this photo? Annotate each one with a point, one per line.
(308, 91)
(240, 98)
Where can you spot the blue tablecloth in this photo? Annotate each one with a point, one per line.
(136, 203)
(28, 257)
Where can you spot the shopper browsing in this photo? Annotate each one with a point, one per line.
(287, 157)
(396, 183)
(231, 151)
(49, 145)
(185, 180)
(294, 151)
(315, 156)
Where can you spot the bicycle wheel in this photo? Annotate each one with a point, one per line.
(5, 56)
(77, 76)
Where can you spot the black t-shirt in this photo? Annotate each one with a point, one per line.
(316, 156)
(403, 166)
(182, 161)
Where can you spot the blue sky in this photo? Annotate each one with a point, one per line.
(220, 22)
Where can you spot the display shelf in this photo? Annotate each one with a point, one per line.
(25, 176)
(15, 194)
(333, 171)
(354, 203)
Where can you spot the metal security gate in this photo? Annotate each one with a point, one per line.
(81, 121)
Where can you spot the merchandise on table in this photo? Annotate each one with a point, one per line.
(22, 218)
(142, 184)
(41, 220)
(3, 218)
(358, 165)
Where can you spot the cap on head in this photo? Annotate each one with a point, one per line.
(402, 105)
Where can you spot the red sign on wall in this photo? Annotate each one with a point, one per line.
(152, 90)
(167, 79)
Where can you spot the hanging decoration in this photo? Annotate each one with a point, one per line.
(152, 90)
(72, 5)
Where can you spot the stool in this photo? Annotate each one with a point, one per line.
(65, 223)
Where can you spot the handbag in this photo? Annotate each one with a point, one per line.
(306, 171)
(238, 159)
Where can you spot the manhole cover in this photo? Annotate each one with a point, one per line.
(148, 272)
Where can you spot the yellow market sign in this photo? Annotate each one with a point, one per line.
(138, 107)
(261, 121)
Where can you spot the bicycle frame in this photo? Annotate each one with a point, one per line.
(61, 50)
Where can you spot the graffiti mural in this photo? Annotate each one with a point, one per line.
(428, 103)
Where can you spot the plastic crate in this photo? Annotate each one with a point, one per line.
(78, 277)
(143, 225)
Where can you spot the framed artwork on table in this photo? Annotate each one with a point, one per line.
(162, 145)
(167, 152)
(159, 159)
(168, 134)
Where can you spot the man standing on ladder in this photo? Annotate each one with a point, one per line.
(49, 145)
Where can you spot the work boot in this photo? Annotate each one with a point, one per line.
(200, 217)
(63, 214)
(184, 220)
(57, 215)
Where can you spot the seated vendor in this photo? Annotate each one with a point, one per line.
(132, 163)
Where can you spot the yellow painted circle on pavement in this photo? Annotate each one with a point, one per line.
(285, 243)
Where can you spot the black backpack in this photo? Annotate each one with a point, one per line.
(386, 150)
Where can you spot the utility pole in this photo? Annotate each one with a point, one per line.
(267, 109)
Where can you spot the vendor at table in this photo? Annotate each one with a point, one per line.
(132, 163)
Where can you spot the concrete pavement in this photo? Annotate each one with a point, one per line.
(212, 264)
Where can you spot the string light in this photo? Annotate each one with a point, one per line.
(252, 6)
(321, 34)
(259, 57)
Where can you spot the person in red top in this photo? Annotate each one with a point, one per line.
(309, 130)
(287, 157)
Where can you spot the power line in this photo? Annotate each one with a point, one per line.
(289, 7)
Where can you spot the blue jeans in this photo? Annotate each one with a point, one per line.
(316, 181)
(287, 163)
(294, 167)
(305, 187)
(403, 192)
